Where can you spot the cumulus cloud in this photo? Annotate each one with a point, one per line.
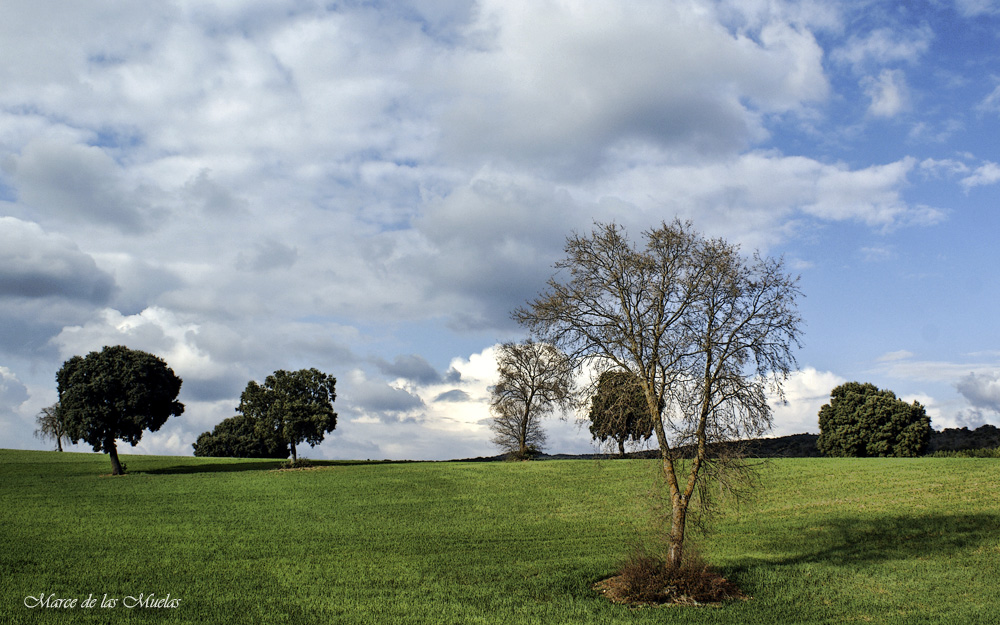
(557, 85)
(240, 187)
(805, 393)
(367, 400)
(756, 197)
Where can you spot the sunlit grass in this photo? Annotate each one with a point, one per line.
(823, 541)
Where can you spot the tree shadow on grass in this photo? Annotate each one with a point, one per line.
(852, 541)
(221, 467)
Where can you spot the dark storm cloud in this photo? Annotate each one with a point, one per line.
(410, 367)
(981, 390)
(453, 395)
(77, 183)
(34, 264)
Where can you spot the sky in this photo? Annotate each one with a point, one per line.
(370, 188)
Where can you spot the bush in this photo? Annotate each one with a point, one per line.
(647, 579)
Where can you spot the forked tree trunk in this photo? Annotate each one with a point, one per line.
(116, 466)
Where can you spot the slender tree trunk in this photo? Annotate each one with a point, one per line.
(116, 466)
(523, 435)
(675, 553)
(59, 442)
(621, 447)
(294, 457)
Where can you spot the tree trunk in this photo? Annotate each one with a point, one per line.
(59, 443)
(675, 554)
(522, 453)
(294, 457)
(621, 447)
(116, 466)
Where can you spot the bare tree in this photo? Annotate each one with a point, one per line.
(50, 426)
(535, 380)
(705, 331)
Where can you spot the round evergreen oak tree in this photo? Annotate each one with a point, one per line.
(116, 393)
(618, 410)
(292, 407)
(862, 420)
(239, 437)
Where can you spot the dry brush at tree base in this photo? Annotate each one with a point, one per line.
(647, 579)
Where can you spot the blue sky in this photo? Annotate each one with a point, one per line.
(371, 188)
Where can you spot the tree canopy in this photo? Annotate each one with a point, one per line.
(862, 420)
(618, 410)
(293, 407)
(116, 393)
(705, 331)
(239, 437)
(535, 379)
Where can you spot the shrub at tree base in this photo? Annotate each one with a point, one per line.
(646, 579)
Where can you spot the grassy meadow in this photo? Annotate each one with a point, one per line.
(234, 541)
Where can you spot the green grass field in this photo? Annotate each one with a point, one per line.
(824, 541)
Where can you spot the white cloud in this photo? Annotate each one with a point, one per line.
(972, 8)
(755, 196)
(876, 254)
(241, 187)
(884, 46)
(888, 93)
(557, 85)
(986, 174)
(991, 103)
(901, 354)
(12, 392)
